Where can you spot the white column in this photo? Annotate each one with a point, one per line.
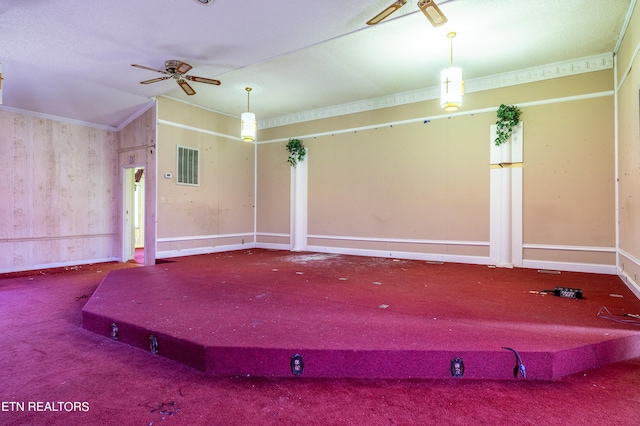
(505, 219)
(299, 205)
(506, 200)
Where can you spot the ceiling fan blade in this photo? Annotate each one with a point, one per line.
(147, 68)
(185, 86)
(183, 67)
(432, 12)
(155, 80)
(202, 80)
(388, 11)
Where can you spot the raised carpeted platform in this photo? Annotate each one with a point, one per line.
(247, 313)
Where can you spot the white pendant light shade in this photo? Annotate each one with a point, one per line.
(451, 84)
(248, 126)
(451, 88)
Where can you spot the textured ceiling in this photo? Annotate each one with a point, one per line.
(72, 59)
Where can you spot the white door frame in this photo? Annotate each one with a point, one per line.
(128, 222)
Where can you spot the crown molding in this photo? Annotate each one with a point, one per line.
(529, 75)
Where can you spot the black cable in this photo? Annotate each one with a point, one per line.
(519, 365)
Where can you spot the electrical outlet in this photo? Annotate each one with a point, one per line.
(297, 365)
(457, 367)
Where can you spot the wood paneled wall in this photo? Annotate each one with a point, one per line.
(58, 191)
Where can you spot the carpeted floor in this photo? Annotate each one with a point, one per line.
(248, 312)
(49, 362)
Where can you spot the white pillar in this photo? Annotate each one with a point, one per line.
(505, 219)
(506, 200)
(299, 205)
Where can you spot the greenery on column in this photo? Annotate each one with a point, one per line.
(508, 118)
(296, 151)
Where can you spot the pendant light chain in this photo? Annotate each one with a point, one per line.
(451, 35)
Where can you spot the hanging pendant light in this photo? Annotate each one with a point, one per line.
(451, 84)
(248, 125)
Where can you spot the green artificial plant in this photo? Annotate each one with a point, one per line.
(508, 118)
(296, 151)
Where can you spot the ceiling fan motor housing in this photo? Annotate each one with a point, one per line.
(172, 65)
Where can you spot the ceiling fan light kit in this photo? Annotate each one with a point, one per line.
(451, 83)
(248, 124)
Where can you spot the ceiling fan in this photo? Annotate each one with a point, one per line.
(177, 70)
(428, 7)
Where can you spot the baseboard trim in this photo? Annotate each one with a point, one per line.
(273, 246)
(54, 265)
(630, 283)
(633, 285)
(205, 237)
(476, 260)
(167, 254)
(570, 267)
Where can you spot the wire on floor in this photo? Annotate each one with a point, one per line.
(519, 368)
(604, 313)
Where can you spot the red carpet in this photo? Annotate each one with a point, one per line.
(138, 256)
(48, 357)
(247, 313)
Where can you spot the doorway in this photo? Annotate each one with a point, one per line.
(134, 215)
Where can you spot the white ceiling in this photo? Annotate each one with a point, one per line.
(72, 58)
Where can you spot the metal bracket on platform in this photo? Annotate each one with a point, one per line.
(457, 367)
(153, 344)
(114, 331)
(297, 365)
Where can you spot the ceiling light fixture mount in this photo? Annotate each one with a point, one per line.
(248, 124)
(451, 83)
(204, 2)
